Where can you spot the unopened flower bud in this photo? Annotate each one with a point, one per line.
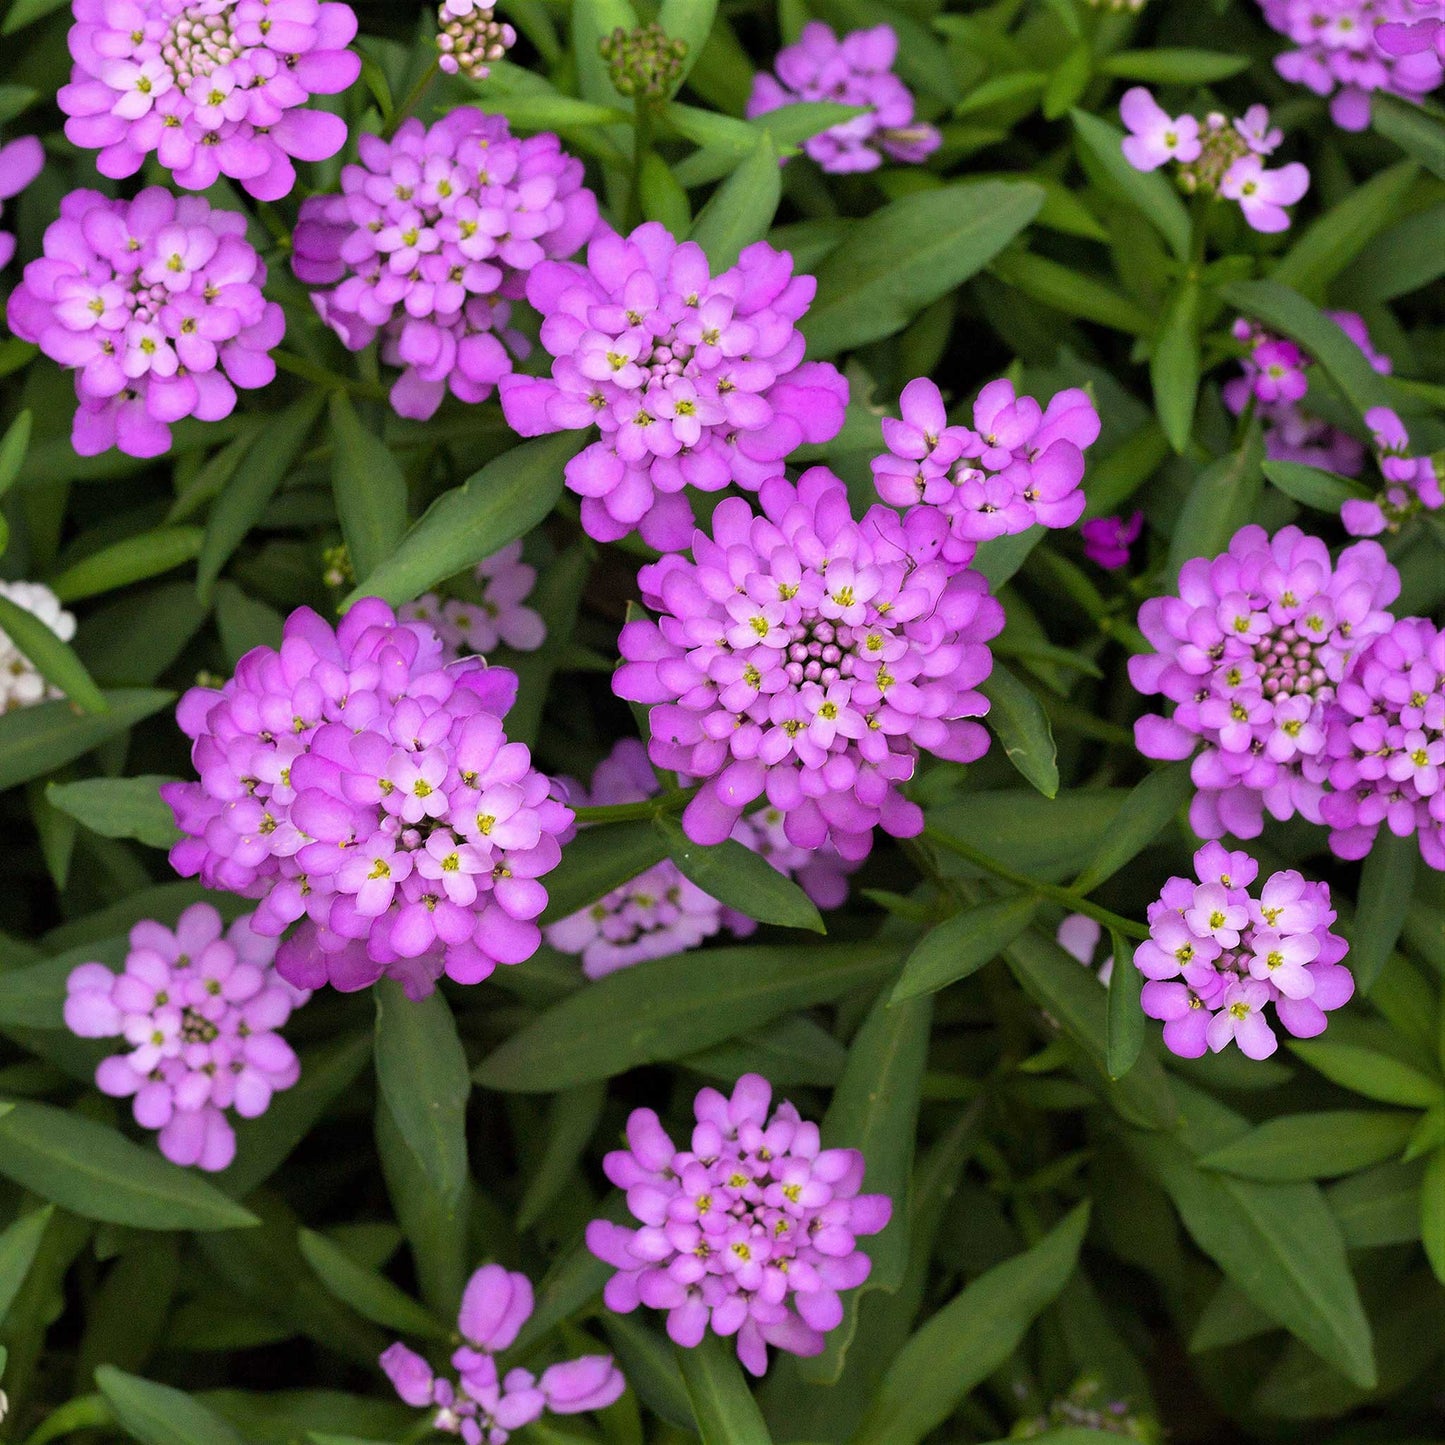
(470, 38)
(643, 62)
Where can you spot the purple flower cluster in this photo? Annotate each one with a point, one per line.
(1342, 51)
(809, 656)
(660, 912)
(212, 87)
(1251, 653)
(470, 39)
(1108, 541)
(485, 1405)
(468, 628)
(353, 781)
(433, 235)
(1218, 158)
(692, 379)
(1276, 378)
(156, 304)
(1412, 484)
(856, 70)
(1399, 38)
(20, 162)
(199, 1011)
(1385, 743)
(1020, 465)
(1217, 956)
(753, 1218)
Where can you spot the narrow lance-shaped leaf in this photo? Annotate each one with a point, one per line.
(37, 740)
(1413, 129)
(1174, 368)
(741, 879)
(1314, 1146)
(369, 488)
(159, 1415)
(742, 208)
(371, 1295)
(1311, 487)
(132, 559)
(962, 944)
(1127, 1027)
(18, 1247)
(52, 658)
(602, 857)
(119, 808)
(722, 1404)
(1145, 812)
(1149, 192)
(1385, 887)
(1432, 1213)
(1223, 498)
(1018, 721)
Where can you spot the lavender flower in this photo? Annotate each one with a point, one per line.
(156, 304)
(470, 38)
(21, 685)
(199, 1013)
(753, 1218)
(212, 87)
(1079, 935)
(1412, 484)
(1276, 378)
(20, 162)
(1109, 540)
(1385, 744)
(431, 239)
(807, 656)
(485, 1405)
(1217, 158)
(468, 628)
(1251, 652)
(692, 379)
(1341, 52)
(1020, 465)
(353, 782)
(856, 70)
(1398, 38)
(1217, 956)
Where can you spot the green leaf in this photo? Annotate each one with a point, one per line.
(25, 12)
(244, 623)
(909, 253)
(1166, 66)
(1432, 1213)
(603, 856)
(158, 1415)
(1069, 81)
(246, 494)
(38, 740)
(52, 658)
(369, 488)
(722, 1404)
(1401, 260)
(371, 1295)
(1313, 1146)
(421, 1070)
(1310, 487)
(1072, 292)
(1126, 1026)
(1385, 885)
(741, 879)
(672, 1007)
(1018, 721)
(571, 1122)
(1325, 249)
(1286, 311)
(875, 1110)
(961, 945)
(1379, 1206)
(690, 21)
(13, 448)
(549, 110)
(132, 559)
(970, 1337)
(1175, 366)
(18, 1247)
(97, 1173)
(119, 808)
(1223, 497)
(1417, 131)
(1148, 192)
(1146, 811)
(742, 208)
(503, 501)
(1368, 1072)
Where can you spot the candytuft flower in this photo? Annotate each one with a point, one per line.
(431, 240)
(468, 628)
(20, 162)
(1412, 484)
(199, 1012)
(691, 379)
(1019, 465)
(750, 1231)
(1385, 744)
(1342, 52)
(856, 70)
(1251, 653)
(809, 657)
(1218, 956)
(484, 1405)
(1109, 540)
(156, 304)
(470, 38)
(211, 87)
(356, 784)
(1397, 38)
(21, 685)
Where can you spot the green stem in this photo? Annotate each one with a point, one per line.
(324, 376)
(641, 143)
(412, 97)
(646, 810)
(1066, 896)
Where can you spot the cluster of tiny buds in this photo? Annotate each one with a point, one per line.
(645, 62)
(471, 42)
(1221, 145)
(198, 44)
(337, 570)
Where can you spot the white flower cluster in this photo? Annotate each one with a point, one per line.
(20, 684)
